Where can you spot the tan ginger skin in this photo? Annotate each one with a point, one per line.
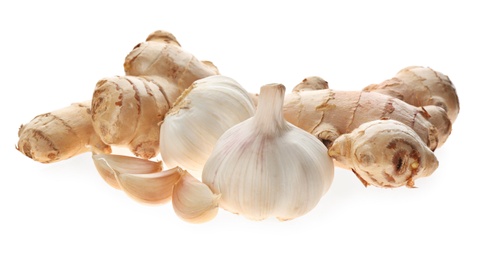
(127, 110)
(421, 86)
(328, 113)
(398, 152)
(60, 134)
(384, 153)
(162, 55)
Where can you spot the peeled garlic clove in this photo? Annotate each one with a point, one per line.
(198, 118)
(266, 167)
(193, 201)
(384, 153)
(106, 164)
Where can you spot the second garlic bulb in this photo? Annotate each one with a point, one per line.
(198, 118)
(266, 167)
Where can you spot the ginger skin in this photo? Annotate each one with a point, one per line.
(60, 134)
(421, 87)
(162, 55)
(385, 141)
(124, 110)
(384, 153)
(328, 113)
(127, 110)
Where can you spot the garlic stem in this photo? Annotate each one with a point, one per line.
(269, 118)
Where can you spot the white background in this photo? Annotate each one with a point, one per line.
(53, 53)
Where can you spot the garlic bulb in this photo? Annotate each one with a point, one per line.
(198, 118)
(266, 167)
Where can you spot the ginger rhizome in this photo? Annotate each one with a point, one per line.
(384, 153)
(60, 134)
(329, 113)
(420, 87)
(162, 55)
(124, 111)
(371, 151)
(127, 110)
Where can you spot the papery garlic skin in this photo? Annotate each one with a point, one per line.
(198, 118)
(266, 167)
(193, 201)
(108, 164)
(141, 179)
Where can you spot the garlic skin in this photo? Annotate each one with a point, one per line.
(108, 164)
(266, 167)
(198, 118)
(141, 179)
(149, 188)
(193, 201)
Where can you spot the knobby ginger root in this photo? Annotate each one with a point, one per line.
(162, 55)
(60, 134)
(384, 153)
(385, 141)
(128, 110)
(328, 113)
(421, 86)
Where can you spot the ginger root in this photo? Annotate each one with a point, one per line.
(328, 113)
(420, 87)
(384, 153)
(384, 140)
(60, 134)
(162, 55)
(124, 111)
(127, 110)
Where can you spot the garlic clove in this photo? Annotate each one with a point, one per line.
(193, 201)
(149, 188)
(106, 164)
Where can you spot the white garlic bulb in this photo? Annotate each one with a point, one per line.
(266, 167)
(198, 118)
